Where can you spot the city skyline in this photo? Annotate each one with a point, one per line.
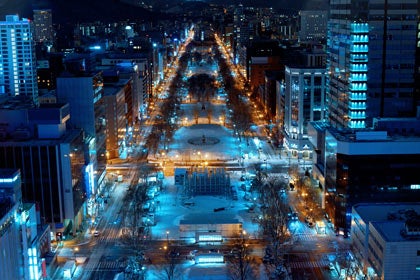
(290, 121)
(73, 10)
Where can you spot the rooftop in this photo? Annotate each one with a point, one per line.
(214, 218)
(17, 102)
(389, 219)
(7, 173)
(379, 212)
(390, 231)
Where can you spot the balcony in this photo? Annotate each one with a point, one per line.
(358, 87)
(359, 28)
(357, 96)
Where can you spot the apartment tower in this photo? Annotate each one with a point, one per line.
(17, 59)
(43, 29)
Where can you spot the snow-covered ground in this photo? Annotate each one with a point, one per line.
(170, 210)
(225, 149)
(187, 147)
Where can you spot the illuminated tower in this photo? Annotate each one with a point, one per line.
(43, 29)
(371, 61)
(17, 59)
(313, 25)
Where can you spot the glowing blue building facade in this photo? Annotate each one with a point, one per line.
(366, 150)
(371, 61)
(17, 59)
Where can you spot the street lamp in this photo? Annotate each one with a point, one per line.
(167, 236)
(304, 195)
(76, 250)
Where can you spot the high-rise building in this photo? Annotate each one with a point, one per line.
(313, 25)
(11, 259)
(371, 61)
(43, 29)
(263, 55)
(24, 242)
(138, 68)
(368, 150)
(17, 59)
(304, 96)
(386, 238)
(84, 92)
(243, 33)
(60, 182)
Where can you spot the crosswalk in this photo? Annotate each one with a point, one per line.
(105, 265)
(108, 239)
(308, 264)
(310, 237)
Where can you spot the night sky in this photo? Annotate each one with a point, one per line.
(81, 10)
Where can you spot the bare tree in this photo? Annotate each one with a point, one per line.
(145, 170)
(196, 113)
(274, 221)
(134, 269)
(294, 173)
(223, 117)
(344, 264)
(152, 141)
(209, 113)
(172, 270)
(259, 179)
(241, 265)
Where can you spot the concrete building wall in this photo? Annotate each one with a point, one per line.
(226, 230)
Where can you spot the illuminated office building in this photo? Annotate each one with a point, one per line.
(313, 25)
(51, 160)
(367, 150)
(43, 29)
(371, 60)
(304, 102)
(11, 260)
(84, 93)
(17, 59)
(22, 240)
(386, 238)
